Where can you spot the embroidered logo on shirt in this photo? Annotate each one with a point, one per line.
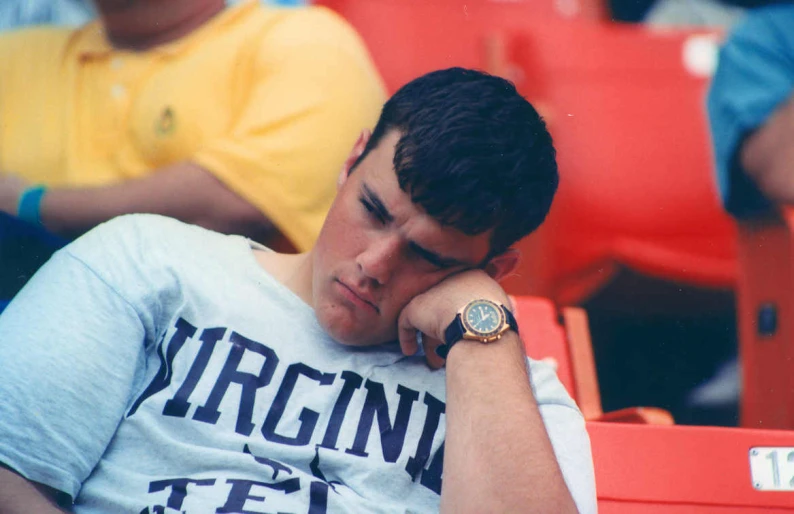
(166, 123)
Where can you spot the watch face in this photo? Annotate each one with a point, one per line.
(483, 317)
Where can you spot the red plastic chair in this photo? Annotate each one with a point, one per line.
(563, 337)
(688, 470)
(765, 294)
(408, 38)
(636, 185)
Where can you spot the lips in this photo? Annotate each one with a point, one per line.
(358, 297)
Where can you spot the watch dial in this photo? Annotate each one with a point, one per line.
(483, 317)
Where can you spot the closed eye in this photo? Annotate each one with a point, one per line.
(436, 260)
(372, 211)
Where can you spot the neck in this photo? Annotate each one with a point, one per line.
(293, 271)
(143, 24)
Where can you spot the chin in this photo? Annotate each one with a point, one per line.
(353, 337)
(350, 334)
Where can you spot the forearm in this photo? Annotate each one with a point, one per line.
(497, 455)
(184, 191)
(19, 496)
(767, 155)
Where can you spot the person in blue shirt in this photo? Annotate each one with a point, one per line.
(751, 113)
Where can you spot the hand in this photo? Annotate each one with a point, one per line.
(11, 189)
(432, 311)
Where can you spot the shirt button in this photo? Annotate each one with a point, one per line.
(116, 63)
(117, 91)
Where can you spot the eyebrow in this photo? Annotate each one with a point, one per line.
(434, 258)
(377, 204)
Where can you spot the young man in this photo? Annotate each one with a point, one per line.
(153, 366)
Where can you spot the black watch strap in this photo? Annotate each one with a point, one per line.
(455, 330)
(511, 320)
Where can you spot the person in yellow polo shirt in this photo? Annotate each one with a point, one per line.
(237, 119)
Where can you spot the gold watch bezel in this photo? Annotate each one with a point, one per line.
(473, 334)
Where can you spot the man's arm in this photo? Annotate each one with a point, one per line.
(497, 455)
(22, 497)
(750, 88)
(767, 155)
(184, 191)
(72, 343)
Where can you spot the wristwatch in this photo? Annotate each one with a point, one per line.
(479, 320)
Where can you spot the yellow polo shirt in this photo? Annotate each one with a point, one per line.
(269, 100)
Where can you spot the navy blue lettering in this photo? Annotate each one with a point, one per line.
(431, 477)
(308, 418)
(241, 492)
(318, 498)
(391, 437)
(178, 405)
(178, 489)
(275, 465)
(184, 331)
(352, 382)
(209, 412)
(435, 408)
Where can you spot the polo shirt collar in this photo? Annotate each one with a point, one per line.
(91, 40)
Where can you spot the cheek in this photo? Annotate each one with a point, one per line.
(410, 285)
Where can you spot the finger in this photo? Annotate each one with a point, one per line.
(433, 359)
(407, 334)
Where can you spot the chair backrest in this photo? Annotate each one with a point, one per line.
(690, 470)
(408, 37)
(563, 336)
(625, 107)
(765, 294)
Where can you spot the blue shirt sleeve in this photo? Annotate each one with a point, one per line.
(754, 76)
(71, 347)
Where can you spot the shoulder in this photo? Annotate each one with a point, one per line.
(135, 229)
(146, 241)
(312, 25)
(35, 39)
(768, 26)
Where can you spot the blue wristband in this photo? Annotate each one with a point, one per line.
(30, 204)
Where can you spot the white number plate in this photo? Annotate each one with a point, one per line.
(772, 468)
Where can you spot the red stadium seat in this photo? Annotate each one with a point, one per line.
(564, 338)
(636, 185)
(408, 38)
(690, 470)
(765, 294)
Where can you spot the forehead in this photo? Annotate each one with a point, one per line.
(379, 178)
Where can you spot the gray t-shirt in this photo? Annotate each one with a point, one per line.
(155, 367)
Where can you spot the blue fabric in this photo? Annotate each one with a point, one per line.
(23, 249)
(754, 76)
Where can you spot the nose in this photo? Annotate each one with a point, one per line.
(379, 259)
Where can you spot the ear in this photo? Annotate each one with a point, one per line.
(503, 264)
(355, 153)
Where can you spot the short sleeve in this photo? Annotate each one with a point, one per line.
(314, 90)
(70, 345)
(754, 76)
(567, 433)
